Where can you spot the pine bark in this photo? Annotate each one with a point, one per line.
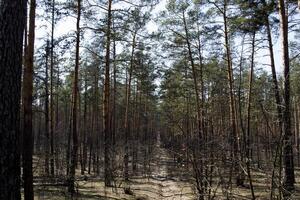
(12, 24)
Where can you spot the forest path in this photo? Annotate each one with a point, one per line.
(166, 180)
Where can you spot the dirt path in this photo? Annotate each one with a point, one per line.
(171, 187)
(164, 185)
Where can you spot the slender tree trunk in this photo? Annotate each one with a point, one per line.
(74, 108)
(248, 138)
(12, 24)
(90, 141)
(234, 133)
(107, 128)
(297, 128)
(69, 132)
(57, 145)
(194, 77)
(187, 120)
(198, 106)
(94, 120)
(135, 122)
(273, 69)
(114, 95)
(201, 80)
(240, 97)
(27, 108)
(51, 93)
(47, 138)
(127, 108)
(277, 100)
(84, 131)
(68, 128)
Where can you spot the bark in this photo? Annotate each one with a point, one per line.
(27, 108)
(12, 24)
(74, 107)
(107, 128)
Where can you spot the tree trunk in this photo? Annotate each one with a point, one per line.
(240, 98)
(194, 77)
(57, 146)
(248, 136)
(74, 108)
(51, 93)
(277, 100)
(289, 178)
(84, 131)
(114, 96)
(107, 128)
(12, 24)
(234, 133)
(47, 138)
(27, 107)
(127, 104)
(198, 105)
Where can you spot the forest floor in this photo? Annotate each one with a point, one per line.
(165, 180)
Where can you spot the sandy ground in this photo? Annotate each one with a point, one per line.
(164, 186)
